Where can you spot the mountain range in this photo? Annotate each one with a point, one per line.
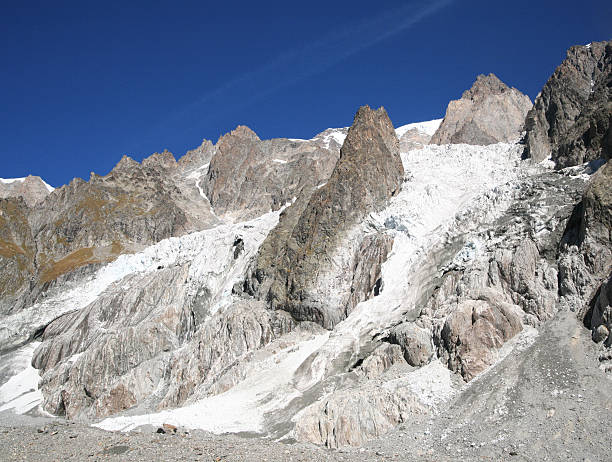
(435, 290)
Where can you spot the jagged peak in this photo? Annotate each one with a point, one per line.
(165, 159)
(241, 132)
(486, 85)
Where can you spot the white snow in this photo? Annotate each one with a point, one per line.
(11, 180)
(20, 393)
(241, 408)
(429, 127)
(279, 161)
(196, 175)
(588, 45)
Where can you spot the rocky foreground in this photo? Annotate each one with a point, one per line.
(547, 400)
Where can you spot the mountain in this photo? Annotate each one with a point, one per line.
(32, 188)
(490, 112)
(425, 291)
(570, 120)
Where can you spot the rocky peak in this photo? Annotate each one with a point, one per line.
(570, 120)
(241, 132)
(485, 85)
(125, 163)
(31, 188)
(248, 176)
(489, 112)
(164, 160)
(198, 156)
(295, 263)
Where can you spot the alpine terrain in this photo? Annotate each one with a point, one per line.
(437, 291)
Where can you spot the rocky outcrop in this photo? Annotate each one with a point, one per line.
(570, 120)
(351, 417)
(17, 253)
(415, 342)
(248, 176)
(32, 188)
(489, 112)
(298, 267)
(586, 259)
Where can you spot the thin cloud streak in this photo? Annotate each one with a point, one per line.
(302, 63)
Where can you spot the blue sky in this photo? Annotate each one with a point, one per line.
(85, 82)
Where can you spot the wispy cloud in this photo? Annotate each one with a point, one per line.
(304, 62)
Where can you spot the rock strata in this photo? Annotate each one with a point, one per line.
(489, 112)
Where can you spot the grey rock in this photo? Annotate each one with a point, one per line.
(32, 188)
(489, 112)
(570, 120)
(350, 417)
(414, 341)
(248, 176)
(600, 333)
(381, 359)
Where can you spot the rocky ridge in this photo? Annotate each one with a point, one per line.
(32, 188)
(570, 120)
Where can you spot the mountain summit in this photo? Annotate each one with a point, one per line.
(489, 112)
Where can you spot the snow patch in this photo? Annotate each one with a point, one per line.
(20, 393)
(429, 127)
(279, 161)
(21, 180)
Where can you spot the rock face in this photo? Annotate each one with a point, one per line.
(570, 120)
(84, 224)
(489, 112)
(157, 337)
(17, 253)
(586, 262)
(297, 267)
(248, 176)
(32, 188)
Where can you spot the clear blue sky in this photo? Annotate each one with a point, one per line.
(84, 82)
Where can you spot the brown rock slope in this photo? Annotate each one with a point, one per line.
(86, 223)
(490, 112)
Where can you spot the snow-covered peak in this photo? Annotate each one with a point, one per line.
(21, 180)
(11, 180)
(429, 127)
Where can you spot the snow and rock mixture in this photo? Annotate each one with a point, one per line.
(441, 310)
